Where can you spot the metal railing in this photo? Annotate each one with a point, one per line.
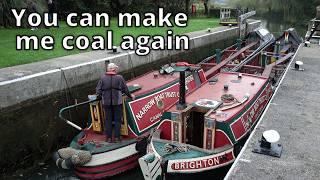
(71, 107)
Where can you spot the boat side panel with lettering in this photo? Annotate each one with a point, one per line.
(147, 111)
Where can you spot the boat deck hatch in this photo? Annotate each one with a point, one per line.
(207, 103)
(194, 129)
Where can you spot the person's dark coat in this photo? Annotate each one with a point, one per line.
(111, 93)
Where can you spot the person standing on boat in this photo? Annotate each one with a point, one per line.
(110, 88)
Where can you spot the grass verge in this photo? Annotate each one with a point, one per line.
(9, 56)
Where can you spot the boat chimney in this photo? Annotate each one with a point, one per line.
(182, 91)
(226, 87)
(264, 59)
(239, 43)
(277, 50)
(218, 56)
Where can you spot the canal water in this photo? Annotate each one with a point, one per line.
(49, 171)
(278, 26)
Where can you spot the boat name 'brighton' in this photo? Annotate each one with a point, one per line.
(204, 163)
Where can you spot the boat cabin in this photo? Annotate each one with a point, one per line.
(155, 92)
(215, 110)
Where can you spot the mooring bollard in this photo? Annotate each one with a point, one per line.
(114, 49)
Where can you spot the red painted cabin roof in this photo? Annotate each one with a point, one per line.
(238, 90)
(148, 82)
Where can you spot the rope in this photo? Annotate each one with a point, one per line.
(227, 98)
(69, 96)
(170, 148)
(67, 91)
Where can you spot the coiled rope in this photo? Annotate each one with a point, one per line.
(170, 148)
(227, 98)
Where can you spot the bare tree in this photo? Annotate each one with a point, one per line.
(206, 8)
(119, 5)
(187, 6)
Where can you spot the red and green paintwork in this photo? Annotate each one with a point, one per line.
(146, 112)
(152, 86)
(156, 101)
(237, 121)
(220, 133)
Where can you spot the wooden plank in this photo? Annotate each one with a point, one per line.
(246, 66)
(208, 64)
(285, 48)
(268, 68)
(283, 59)
(267, 71)
(213, 71)
(230, 50)
(124, 122)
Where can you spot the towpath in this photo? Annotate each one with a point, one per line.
(293, 112)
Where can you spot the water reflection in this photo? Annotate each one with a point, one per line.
(277, 26)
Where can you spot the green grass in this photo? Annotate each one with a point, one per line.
(9, 56)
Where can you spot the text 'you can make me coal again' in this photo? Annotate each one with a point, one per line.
(141, 44)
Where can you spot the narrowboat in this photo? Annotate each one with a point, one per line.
(207, 128)
(91, 157)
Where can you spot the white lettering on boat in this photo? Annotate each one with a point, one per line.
(201, 163)
(204, 163)
(254, 111)
(148, 110)
(159, 97)
(145, 109)
(189, 79)
(155, 117)
(251, 115)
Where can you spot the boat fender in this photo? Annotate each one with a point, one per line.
(67, 158)
(81, 157)
(66, 153)
(62, 163)
(65, 164)
(141, 146)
